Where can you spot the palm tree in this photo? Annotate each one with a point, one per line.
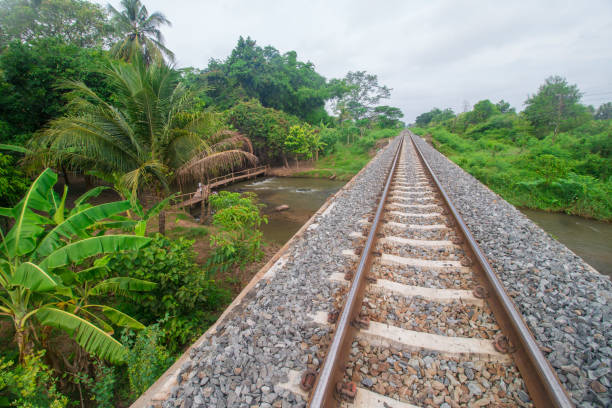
(141, 32)
(147, 138)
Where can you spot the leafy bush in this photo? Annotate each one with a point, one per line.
(30, 385)
(103, 388)
(12, 181)
(238, 218)
(146, 359)
(266, 127)
(184, 290)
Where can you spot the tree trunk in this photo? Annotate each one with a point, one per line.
(316, 155)
(21, 338)
(65, 174)
(286, 162)
(297, 163)
(162, 222)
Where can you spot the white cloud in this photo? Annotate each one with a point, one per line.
(432, 53)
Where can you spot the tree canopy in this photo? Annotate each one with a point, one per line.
(78, 22)
(555, 107)
(278, 81)
(29, 77)
(364, 93)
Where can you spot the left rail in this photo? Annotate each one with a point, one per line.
(323, 393)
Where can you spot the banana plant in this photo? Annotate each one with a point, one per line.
(42, 269)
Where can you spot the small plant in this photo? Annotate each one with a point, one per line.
(146, 359)
(239, 239)
(29, 385)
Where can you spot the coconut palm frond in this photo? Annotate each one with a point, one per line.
(231, 140)
(194, 170)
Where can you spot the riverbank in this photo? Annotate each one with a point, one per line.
(343, 163)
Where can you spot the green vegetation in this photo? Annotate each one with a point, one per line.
(554, 156)
(93, 310)
(345, 160)
(238, 219)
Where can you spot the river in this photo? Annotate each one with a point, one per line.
(591, 240)
(304, 196)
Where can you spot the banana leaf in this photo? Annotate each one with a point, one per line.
(58, 205)
(122, 286)
(33, 277)
(83, 249)
(21, 239)
(94, 192)
(89, 336)
(76, 225)
(117, 317)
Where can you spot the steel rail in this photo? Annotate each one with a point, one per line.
(322, 395)
(541, 381)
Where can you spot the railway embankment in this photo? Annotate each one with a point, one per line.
(565, 302)
(258, 349)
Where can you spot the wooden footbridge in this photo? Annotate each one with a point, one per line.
(189, 199)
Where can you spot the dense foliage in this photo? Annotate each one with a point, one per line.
(92, 90)
(554, 156)
(30, 74)
(185, 294)
(277, 80)
(266, 127)
(81, 23)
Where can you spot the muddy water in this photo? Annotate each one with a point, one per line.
(591, 240)
(303, 196)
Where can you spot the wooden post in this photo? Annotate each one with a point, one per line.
(203, 204)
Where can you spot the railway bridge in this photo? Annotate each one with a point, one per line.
(413, 286)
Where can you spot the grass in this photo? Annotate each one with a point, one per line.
(346, 160)
(188, 232)
(570, 174)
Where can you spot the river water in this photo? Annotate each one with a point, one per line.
(591, 240)
(304, 196)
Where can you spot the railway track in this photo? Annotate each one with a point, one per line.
(420, 318)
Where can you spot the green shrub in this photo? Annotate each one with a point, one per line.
(13, 182)
(30, 385)
(239, 239)
(184, 292)
(147, 358)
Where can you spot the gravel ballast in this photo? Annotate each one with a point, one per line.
(565, 302)
(270, 332)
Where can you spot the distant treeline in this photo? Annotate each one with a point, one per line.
(554, 155)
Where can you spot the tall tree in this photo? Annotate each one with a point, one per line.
(504, 107)
(29, 75)
(278, 81)
(556, 107)
(604, 111)
(482, 111)
(76, 22)
(364, 93)
(147, 137)
(140, 32)
(388, 116)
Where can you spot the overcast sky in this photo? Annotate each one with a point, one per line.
(431, 53)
